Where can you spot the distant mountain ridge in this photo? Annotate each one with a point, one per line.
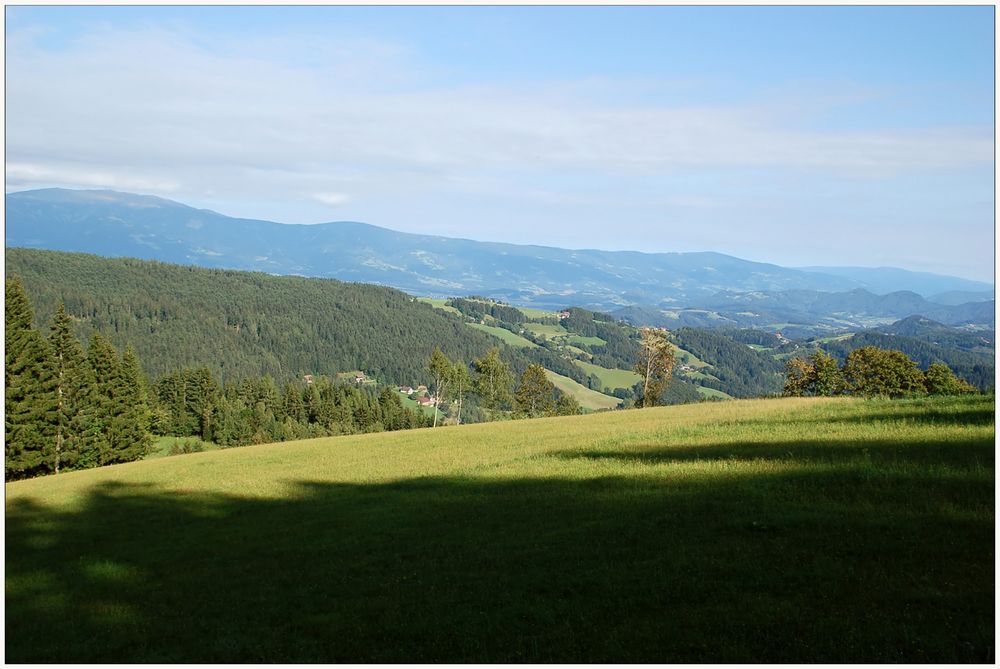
(121, 224)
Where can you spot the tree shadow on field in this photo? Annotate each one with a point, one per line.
(612, 569)
(919, 452)
(975, 412)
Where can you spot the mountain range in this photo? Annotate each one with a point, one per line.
(118, 224)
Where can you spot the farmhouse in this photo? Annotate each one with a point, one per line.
(407, 390)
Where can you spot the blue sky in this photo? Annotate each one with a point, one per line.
(800, 136)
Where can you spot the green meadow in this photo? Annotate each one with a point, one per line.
(506, 336)
(712, 393)
(783, 530)
(610, 378)
(589, 399)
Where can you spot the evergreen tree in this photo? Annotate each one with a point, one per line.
(135, 439)
(30, 414)
(121, 417)
(292, 405)
(75, 402)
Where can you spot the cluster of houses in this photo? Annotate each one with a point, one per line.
(357, 378)
(420, 394)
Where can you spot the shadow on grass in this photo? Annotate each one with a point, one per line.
(766, 568)
(979, 452)
(978, 411)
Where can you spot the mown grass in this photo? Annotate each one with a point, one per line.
(589, 400)
(712, 393)
(610, 378)
(505, 336)
(585, 341)
(791, 530)
(439, 303)
(542, 330)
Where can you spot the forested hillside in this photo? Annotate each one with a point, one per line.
(242, 324)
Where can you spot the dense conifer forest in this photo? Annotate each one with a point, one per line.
(244, 324)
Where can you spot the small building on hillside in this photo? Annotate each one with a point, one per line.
(406, 390)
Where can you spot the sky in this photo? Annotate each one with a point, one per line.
(860, 136)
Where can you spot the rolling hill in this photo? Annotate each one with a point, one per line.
(121, 224)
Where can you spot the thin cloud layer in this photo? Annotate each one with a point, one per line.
(356, 123)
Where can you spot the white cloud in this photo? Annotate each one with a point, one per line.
(24, 175)
(285, 128)
(316, 110)
(332, 199)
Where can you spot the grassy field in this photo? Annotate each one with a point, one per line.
(531, 312)
(610, 378)
(547, 331)
(506, 336)
(586, 341)
(786, 530)
(712, 393)
(439, 303)
(590, 400)
(685, 358)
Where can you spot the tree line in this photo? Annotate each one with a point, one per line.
(870, 372)
(245, 324)
(67, 408)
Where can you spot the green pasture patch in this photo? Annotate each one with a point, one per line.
(712, 393)
(531, 312)
(506, 336)
(590, 400)
(548, 331)
(792, 530)
(610, 378)
(439, 303)
(683, 357)
(586, 341)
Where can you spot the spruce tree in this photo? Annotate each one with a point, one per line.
(74, 395)
(29, 390)
(122, 416)
(136, 440)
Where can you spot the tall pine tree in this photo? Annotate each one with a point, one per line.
(29, 390)
(74, 395)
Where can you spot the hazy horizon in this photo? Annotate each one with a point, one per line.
(798, 136)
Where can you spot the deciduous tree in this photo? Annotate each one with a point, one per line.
(493, 380)
(656, 364)
(535, 394)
